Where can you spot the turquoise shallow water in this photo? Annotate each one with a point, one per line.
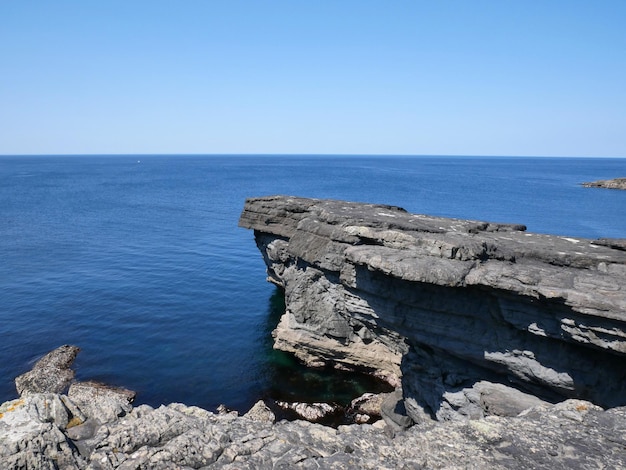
(139, 261)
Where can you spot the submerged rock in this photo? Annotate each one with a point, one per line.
(470, 318)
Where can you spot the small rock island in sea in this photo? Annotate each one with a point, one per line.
(616, 183)
(506, 349)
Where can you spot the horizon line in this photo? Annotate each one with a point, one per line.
(228, 154)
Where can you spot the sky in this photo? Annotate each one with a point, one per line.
(498, 77)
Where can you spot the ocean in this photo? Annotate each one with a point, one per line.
(139, 261)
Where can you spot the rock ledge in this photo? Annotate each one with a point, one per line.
(470, 318)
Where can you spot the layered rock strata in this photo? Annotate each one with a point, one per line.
(471, 318)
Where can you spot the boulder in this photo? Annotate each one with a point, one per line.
(50, 374)
(313, 412)
(261, 412)
(394, 413)
(366, 408)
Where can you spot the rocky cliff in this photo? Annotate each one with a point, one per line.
(470, 318)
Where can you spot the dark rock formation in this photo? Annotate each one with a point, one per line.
(471, 318)
(50, 374)
(616, 183)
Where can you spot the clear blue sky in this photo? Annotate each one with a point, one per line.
(526, 77)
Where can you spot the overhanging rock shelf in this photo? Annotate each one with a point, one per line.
(470, 318)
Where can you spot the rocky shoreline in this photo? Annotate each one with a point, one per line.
(616, 183)
(96, 427)
(506, 350)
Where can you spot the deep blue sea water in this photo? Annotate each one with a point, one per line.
(139, 261)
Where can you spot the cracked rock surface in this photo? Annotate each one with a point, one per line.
(34, 433)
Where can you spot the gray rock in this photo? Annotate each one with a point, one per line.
(572, 434)
(366, 408)
(101, 402)
(261, 412)
(486, 399)
(310, 411)
(32, 433)
(615, 243)
(394, 413)
(439, 305)
(616, 183)
(50, 374)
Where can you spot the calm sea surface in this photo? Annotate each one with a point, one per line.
(139, 261)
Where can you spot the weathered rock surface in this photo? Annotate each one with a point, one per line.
(35, 434)
(101, 401)
(32, 433)
(50, 374)
(261, 412)
(470, 318)
(314, 412)
(616, 183)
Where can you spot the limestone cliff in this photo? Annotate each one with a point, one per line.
(456, 311)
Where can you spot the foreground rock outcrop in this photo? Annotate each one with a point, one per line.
(96, 427)
(616, 183)
(469, 318)
(50, 374)
(36, 434)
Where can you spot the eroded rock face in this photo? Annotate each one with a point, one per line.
(32, 433)
(444, 307)
(572, 434)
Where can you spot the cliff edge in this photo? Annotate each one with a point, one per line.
(469, 318)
